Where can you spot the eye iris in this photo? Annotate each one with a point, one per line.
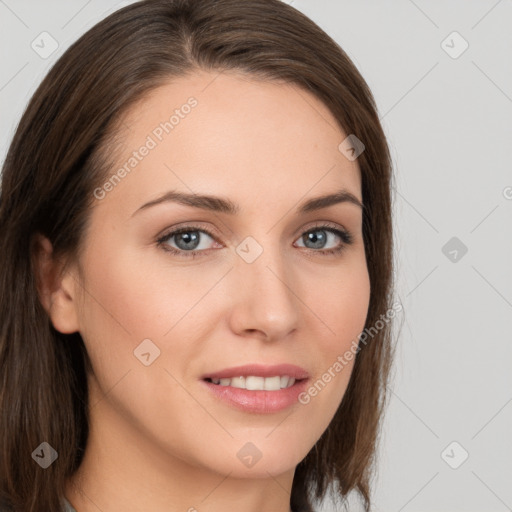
(188, 237)
(318, 241)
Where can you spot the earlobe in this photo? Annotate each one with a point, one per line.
(56, 290)
(63, 313)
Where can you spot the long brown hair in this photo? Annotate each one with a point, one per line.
(60, 154)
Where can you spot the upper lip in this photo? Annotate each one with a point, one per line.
(260, 370)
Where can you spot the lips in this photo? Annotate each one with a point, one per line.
(259, 370)
(257, 401)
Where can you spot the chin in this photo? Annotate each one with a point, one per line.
(258, 458)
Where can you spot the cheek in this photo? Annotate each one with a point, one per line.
(138, 298)
(133, 297)
(342, 304)
(127, 301)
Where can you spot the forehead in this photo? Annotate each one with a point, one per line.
(232, 134)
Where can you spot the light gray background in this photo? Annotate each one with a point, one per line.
(448, 121)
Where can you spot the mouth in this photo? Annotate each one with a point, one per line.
(258, 388)
(257, 394)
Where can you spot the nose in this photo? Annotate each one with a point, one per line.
(265, 297)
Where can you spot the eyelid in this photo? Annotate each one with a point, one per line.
(322, 224)
(190, 226)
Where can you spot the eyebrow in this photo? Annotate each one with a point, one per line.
(224, 205)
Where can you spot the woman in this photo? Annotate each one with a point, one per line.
(197, 268)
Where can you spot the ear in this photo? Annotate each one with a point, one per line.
(57, 290)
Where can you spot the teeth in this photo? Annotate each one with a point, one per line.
(270, 383)
(238, 382)
(254, 383)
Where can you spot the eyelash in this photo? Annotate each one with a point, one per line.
(345, 236)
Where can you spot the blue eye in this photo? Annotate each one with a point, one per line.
(312, 236)
(187, 240)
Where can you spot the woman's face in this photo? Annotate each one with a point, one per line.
(261, 288)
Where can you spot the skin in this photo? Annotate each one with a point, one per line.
(158, 440)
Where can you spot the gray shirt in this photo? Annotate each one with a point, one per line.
(67, 507)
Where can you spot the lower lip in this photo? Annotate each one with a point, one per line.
(261, 402)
